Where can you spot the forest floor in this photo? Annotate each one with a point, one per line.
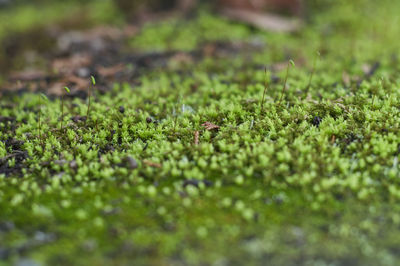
(199, 141)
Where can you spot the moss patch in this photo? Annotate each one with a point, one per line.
(310, 179)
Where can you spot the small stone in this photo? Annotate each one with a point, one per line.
(79, 118)
(73, 164)
(60, 162)
(316, 121)
(6, 226)
(191, 182)
(27, 262)
(83, 72)
(131, 163)
(4, 253)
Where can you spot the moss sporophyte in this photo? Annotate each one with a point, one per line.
(66, 90)
(290, 63)
(93, 83)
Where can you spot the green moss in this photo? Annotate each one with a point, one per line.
(180, 34)
(312, 179)
(25, 17)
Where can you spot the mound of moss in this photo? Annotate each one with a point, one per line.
(189, 166)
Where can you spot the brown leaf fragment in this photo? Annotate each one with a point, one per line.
(56, 88)
(80, 83)
(196, 137)
(264, 21)
(278, 67)
(105, 32)
(152, 164)
(287, 6)
(79, 118)
(210, 126)
(70, 64)
(130, 30)
(182, 59)
(28, 75)
(110, 71)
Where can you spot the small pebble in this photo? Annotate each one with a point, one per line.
(60, 162)
(131, 163)
(73, 164)
(83, 72)
(78, 118)
(316, 121)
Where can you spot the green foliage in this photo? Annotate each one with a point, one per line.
(175, 34)
(21, 18)
(273, 182)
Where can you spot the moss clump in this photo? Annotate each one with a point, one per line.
(311, 179)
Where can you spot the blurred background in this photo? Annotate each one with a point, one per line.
(31, 27)
(34, 33)
(46, 45)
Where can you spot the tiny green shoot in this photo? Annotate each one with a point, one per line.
(93, 81)
(67, 90)
(175, 112)
(290, 63)
(44, 97)
(265, 89)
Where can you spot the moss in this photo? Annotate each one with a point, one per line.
(186, 35)
(312, 179)
(20, 24)
(21, 18)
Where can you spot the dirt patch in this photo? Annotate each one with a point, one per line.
(103, 53)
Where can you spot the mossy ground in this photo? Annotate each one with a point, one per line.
(312, 179)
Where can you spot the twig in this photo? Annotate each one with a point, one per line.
(16, 153)
(196, 137)
(152, 164)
